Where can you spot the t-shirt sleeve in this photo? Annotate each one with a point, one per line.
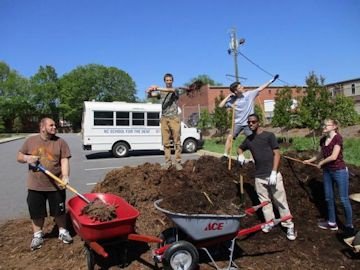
(230, 102)
(338, 140)
(178, 92)
(65, 150)
(24, 148)
(273, 142)
(243, 146)
(253, 93)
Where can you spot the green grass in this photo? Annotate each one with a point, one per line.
(351, 147)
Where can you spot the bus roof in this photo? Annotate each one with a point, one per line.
(121, 106)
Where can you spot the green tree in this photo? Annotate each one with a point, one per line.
(93, 82)
(18, 126)
(46, 92)
(14, 96)
(315, 106)
(344, 111)
(285, 114)
(2, 125)
(205, 79)
(260, 112)
(205, 120)
(221, 118)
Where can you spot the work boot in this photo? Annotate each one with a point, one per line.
(166, 165)
(37, 242)
(65, 237)
(178, 166)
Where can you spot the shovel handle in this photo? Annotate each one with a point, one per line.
(61, 182)
(301, 161)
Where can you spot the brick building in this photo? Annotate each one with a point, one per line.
(205, 99)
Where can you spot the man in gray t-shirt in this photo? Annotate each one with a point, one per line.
(170, 121)
(242, 102)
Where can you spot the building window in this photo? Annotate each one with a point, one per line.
(353, 89)
(269, 91)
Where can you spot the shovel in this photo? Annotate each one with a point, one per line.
(61, 182)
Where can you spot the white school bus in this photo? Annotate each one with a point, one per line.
(121, 127)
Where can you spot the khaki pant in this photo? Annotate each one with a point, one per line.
(171, 128)
(276, 196)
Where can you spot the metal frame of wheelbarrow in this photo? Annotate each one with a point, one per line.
(183, 250)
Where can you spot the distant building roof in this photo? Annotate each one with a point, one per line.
(341, 82)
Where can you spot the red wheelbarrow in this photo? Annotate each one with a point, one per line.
(179, 249)
(97, 234)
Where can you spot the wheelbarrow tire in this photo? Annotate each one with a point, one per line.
(181, 254)
(169, 236)
(90, 259)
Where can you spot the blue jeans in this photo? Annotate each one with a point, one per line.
(341, 178)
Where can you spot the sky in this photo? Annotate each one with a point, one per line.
(148, 38)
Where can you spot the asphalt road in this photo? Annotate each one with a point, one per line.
(87, 168)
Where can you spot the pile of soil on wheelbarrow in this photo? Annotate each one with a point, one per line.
(203, 186)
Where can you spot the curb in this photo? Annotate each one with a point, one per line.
(5, 140)
(202, 152)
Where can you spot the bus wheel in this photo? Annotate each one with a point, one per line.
(120, 149)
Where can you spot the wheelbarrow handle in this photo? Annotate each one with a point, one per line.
(250, 211)
(61, 182)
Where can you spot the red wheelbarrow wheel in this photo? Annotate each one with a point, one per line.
(181, 255)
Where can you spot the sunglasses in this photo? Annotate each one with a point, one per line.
(252, 122)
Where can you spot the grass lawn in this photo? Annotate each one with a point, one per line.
(351, 147)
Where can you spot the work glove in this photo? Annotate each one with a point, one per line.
(275, 78)
(241, 159)
(272, 178)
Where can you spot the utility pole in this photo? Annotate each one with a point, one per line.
(233, 49)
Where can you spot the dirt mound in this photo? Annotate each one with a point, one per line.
(203, 186)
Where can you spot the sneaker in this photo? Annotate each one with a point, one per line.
(36, 242)
(65, 237)
(291, 233)
(267, 227)
(166, 166)
(326, 226)
(178, 166)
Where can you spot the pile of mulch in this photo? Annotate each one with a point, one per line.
(204, 186)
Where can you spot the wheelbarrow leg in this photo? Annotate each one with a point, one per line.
(232, 265)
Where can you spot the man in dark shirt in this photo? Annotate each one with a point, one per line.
(268, 181)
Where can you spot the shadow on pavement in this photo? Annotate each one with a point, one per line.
(108, 154)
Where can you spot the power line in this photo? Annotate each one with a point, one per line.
(259, 67)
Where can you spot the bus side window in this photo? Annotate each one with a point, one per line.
(122, 118)
(138, 119)
(103, 118)
(153, 119)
